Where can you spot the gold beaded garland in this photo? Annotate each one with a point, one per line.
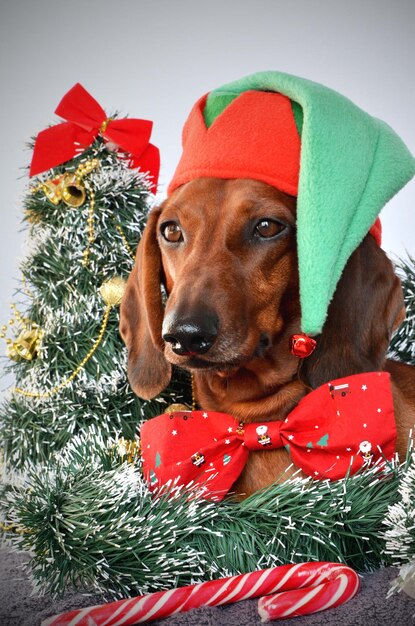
(90, 223)
(124, 238)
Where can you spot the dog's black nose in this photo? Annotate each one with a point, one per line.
(194, 335)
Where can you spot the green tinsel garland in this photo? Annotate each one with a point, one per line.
(91, 522)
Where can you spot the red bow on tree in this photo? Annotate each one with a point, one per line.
(86, 119)
(342, 426)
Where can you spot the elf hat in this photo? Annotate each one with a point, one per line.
(307, 140)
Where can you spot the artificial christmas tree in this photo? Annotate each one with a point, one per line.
(85, 217)
(403, 342)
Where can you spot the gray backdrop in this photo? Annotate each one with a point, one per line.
(153, 59)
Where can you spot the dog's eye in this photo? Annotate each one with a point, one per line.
(268, 228)
(171, 232)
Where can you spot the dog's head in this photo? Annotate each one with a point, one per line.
(225, 252)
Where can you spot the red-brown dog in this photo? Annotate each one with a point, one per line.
(225, 251)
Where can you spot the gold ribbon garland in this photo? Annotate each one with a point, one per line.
(112, 292)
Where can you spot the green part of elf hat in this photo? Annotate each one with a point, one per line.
(351, 164)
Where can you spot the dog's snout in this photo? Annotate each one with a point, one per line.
(194, 335)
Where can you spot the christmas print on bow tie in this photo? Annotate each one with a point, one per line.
(342, 426)
(86, 119)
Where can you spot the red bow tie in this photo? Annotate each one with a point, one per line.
(343, 425)
(85, 120)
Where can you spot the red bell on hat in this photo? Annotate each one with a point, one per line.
(302, 345)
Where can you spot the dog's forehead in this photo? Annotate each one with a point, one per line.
(236, 195)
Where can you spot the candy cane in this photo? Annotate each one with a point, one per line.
(336, 587)
(303, 588)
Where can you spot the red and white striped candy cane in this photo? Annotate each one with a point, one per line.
(303, 588)
(332, 588)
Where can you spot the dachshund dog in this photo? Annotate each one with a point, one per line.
(225, 253)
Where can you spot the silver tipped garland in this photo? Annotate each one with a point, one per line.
(403, 342)
(400, 533)
(90, 522)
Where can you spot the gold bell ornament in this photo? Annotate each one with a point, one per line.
(53, 190)
(26, 345)
(73, 190)
(112, 291)
(68, 188)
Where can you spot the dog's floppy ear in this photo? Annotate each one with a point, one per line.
(366, 308)
(141, 317)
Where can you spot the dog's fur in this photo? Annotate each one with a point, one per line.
(251, 286)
